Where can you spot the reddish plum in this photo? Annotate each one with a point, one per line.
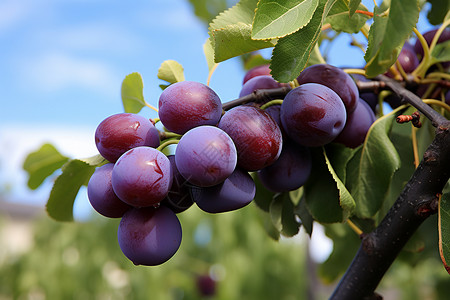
(142, 177)
(121, 132)
(101, 194)
(313, 114)
(188, 104)
(256, 71)
(334, 78)
(256, 135)
(357, 126)
(149, 236)
(206, 156)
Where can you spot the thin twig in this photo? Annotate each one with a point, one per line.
(409, 97)
(258, 96)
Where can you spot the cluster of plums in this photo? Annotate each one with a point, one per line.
(216, 151)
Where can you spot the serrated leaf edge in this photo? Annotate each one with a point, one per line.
(286, 34)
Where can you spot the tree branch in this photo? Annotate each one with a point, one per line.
(417, 202)
(409, 97)
(258, 96)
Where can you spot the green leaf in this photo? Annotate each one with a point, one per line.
(321, 192)
(388, 34)
(263, 196)
(243, 12)
(353, 6)
(302, 212)
(234, 40)
(230, 32)
(75, 173)
(206, 10)
(171, 71)
(133, 93)
(346, 200)
(268, 226)
(444, 227)
(282, 215)
(209, 54)
(370, 171)
(340, 20)
(339, 156)
(441, 52)
(291, 53)
(96, 160)
(42, 163)
(296, 195)
(275, 19)
(316, 57)
(400, 136)
(438, 10)
(254, 61)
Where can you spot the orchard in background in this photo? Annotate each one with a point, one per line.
(306, 141)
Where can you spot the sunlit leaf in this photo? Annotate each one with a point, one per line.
(230, 32)
(42, 163)
(388, 33)
(353, 6)
(132, 93)
(75, 174)
(291, 53)
(171, 71)
(243, 12)
(234, 40)
(339, 18)
(275, 19)
(209, 54)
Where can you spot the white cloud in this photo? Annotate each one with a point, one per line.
(57, 71)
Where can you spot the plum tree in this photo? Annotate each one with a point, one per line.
(298, 142)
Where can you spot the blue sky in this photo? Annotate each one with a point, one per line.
(62, 64)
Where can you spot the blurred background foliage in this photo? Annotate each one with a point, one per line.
(83, 261)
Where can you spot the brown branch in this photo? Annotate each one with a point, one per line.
(407, 96)
(258, 96)
(416, 203)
